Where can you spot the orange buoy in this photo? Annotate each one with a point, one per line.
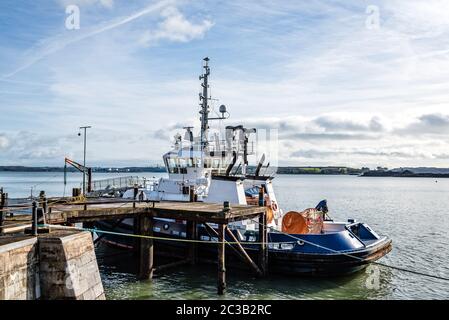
(294, 223)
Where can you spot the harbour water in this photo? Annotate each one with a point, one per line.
(412, 211)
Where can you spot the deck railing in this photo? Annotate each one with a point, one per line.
(118, 183)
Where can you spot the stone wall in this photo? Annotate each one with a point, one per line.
(19, 277)
(59, 265)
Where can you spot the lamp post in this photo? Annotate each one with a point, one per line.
(84, 162)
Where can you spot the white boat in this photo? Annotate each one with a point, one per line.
(207, 168)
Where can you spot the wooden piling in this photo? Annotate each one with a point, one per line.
(263, 249)
(34, 217)
(2, 204)
(146, 247)
(221, 285)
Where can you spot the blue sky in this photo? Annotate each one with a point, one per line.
(341, 86)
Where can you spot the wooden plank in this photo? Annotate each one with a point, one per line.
(182, 211)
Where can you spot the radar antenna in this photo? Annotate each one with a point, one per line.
(204, 98)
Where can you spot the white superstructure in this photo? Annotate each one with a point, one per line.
(210, 169)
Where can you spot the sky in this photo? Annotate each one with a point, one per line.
(347, 83)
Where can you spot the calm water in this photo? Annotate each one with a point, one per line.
(412, 211)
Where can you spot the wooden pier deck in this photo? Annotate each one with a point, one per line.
(190, 211)
(60, 212)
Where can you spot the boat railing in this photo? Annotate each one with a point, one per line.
(119, 183)
(222, 145)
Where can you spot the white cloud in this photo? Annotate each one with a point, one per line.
(4, 142)
(175, 27)
(52, 45)
(338, 92)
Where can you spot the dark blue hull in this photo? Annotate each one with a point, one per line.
(314, 255)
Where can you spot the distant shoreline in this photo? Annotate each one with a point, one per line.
(280, 170)
(403, 175)
(328, 171)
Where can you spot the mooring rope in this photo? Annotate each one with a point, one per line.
(361, 259)
(251, 243)
(248, 243)
(159, 238)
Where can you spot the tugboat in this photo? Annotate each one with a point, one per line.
(209, 169)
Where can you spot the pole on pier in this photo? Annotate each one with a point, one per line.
(2, 204)
(89, 180)
(263, 249)
(146, 247)
(136, 192)
(263, 233)
(34, 217)
(221, 285)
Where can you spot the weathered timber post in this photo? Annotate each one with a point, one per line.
(40, 216)
(146, 247)
(261, 196)
(76, 192)
(89, 180)
(136, 191)
(192, 194)
(263, 234)
(263, 249)
(221, 285)
(45, 205)
(2, 204)
(34, 217)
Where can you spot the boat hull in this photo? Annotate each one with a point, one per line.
(284, 262)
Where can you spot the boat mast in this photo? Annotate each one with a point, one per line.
(204, 97)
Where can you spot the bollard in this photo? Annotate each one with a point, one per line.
(76, 192)
(45, 204)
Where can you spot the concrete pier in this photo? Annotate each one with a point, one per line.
(59, 265)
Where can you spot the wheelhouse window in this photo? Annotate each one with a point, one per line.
(180, 165)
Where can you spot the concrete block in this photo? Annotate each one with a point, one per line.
(62, 266)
